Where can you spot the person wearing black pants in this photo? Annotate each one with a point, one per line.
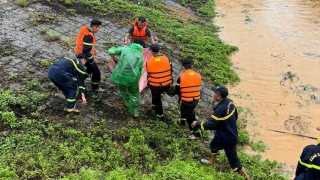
(159, 78)
(61, 73)
(156, 93)
(188, 115)
(85, 44)
(188, 88)
(224, 121)
(93, 69)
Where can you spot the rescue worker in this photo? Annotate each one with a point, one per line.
(188, 88)
(139, 29)
(159, 71)
(309, 163)
(224, 122)
(61, 73)
(127, 74)
(85, 44)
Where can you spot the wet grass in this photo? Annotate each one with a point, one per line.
(6, 49)
(22, 3)
(40, 141)
(35, 146)
(196, 39)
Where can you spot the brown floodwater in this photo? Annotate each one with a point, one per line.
(278, 62)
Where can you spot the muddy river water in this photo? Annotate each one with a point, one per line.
(278, 62)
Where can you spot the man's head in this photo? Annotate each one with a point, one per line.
(82, 58)
(95, 25)
(141, 22)
(138, 40)
(220, 92)
(155, 49)
(186, 64)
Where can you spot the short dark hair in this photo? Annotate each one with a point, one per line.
(81, 56)
(95, 23)
(186, 63)
(138, 40)
(142, 19)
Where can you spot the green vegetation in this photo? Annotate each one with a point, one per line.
(36, 147)
(22, 3)
(53, 36)
(196, 39)
(39, 141)
(46, 63)
(259, 146)
(6, 50)
(13, 76)
(207, 9)
(68, 41)
(32, 70)
(71, 11)
(65, 147)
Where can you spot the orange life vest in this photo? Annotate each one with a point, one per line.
(159, 71)
(190, 82)
(84, 31)
(142, 33)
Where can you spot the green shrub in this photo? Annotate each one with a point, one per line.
(9, 118)
(259, 146)
(22, 3)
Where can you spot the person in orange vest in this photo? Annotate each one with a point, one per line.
(139, 29)
(159, 71)
(188, 88)
(85, 44)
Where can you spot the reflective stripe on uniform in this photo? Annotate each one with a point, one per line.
(309, 165)
(235, 169)
(81, 87)
(88, 44)
(223, 118)
(229, 106)
(202, 127)
(79, 70)
(71, 100)
(95, 82)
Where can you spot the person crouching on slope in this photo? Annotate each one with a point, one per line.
(61, 73)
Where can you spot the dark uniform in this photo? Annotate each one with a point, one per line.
(223, 121)
(188, 89)
(61, 73)
(308, 167)
(85, 44)
(159, 79)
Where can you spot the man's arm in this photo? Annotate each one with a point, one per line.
(149, 36)
(301, 168)
(171, 69)
(126, 38)
(87, 46)
(81, 75)
(212, 122)
(178, 88)
(219, 114)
